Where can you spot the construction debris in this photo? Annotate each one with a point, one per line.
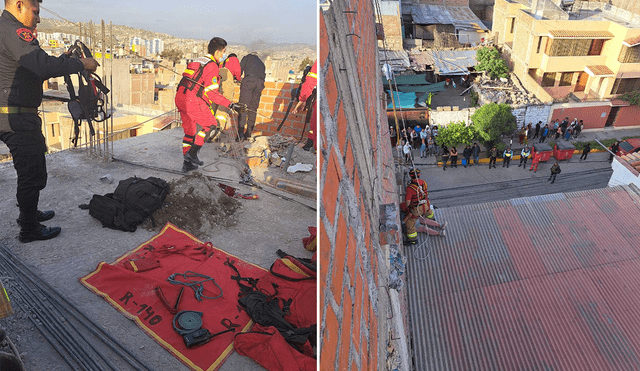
(498, 91)
(299, 167)
(196, 204)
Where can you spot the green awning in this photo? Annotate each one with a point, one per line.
(433, 88)
(408, 80)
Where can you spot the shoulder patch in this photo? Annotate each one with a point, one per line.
(25, 34)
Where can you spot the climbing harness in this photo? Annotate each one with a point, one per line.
(197, 286)
(88, 104)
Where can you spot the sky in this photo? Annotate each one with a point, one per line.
(238, 22)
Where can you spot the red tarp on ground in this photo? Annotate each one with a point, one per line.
(133, 293)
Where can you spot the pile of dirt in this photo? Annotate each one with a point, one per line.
(197, 205)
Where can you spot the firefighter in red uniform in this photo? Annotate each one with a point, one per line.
(306, 91)
(196, 93)
(417, 207)
(229, 70)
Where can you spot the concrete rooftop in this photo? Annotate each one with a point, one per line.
(264, 226)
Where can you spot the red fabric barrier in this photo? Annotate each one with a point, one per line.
(133, 294)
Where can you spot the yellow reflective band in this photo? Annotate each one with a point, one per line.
(412, 235)
(202, 134)
(294, 267)
(313, 75)
(186, 145)
(189, 71)
(211, 87)
(221, 118)
(133, 265)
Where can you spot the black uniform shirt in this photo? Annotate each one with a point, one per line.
(24, 66)
(252, 67)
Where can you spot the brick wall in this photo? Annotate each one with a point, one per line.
(591, 116)
(357, 180)
(628, 116)
(273, 103)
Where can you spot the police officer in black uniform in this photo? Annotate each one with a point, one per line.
(23, 69)
(251, 87)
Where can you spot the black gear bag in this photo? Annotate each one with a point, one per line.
(130, 204)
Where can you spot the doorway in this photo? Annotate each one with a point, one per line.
(582, 81)
(613, 114)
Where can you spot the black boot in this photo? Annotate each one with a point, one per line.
(188, 166)
(43, 216)
(308, 145)
(33, 231)
(192, 156)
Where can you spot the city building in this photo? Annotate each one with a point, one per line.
(584, 55)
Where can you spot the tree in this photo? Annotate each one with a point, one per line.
(489, 60)
(493, 120)
(174, 55)
(632, 97)
(456, 133)
(305, 62)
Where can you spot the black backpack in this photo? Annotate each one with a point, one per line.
(133, 201)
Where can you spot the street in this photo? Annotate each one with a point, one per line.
(479, 184)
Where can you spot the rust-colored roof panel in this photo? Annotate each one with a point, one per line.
(600, 70)
(567, 34)
(632, 41)
(549, 282)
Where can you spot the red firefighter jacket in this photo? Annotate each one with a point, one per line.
(208, 78)
(309, 83)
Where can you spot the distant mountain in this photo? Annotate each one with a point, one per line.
(122, 34)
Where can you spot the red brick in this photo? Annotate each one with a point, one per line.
(337, 276)
(345, 330)
(331, 89)
(268, 100)
(357, 311)
(342, 125)
(332, 177)
(269, 85)
(325, 258)
(329, 341)
(324, 41)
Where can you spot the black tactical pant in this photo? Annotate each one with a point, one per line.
(28, 149)
(250, 93)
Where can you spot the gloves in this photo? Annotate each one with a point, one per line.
(238, 107)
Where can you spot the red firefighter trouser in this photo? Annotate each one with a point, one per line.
(196, 123)
(414, 215)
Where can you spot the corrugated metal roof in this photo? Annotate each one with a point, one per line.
(539, 283)
(599, 70)
(397, 59)
(453, 62)
(567, 34)
(460, 16)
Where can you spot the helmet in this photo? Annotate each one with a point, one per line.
(414, 173)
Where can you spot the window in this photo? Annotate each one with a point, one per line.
(625, 85)
(573, 47)
(513, 24)
(566, 78)
(133, 133)
(539, 45)
(53, 130)
(548, 79)
(629, 54)
(533, 72)
(596, 46)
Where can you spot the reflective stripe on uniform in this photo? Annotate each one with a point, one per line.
(430, 214)
(412, 235)
(311, 74)
(202, 134)
(189, 71)
(221, 118)
(211, 87)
